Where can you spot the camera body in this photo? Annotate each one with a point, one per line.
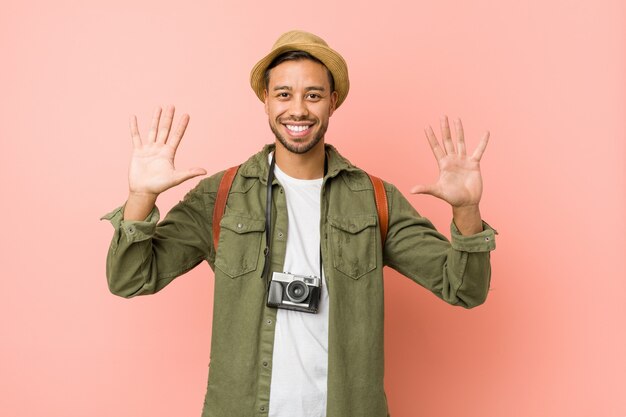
(294, 292)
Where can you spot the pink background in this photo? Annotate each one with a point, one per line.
(547, 78)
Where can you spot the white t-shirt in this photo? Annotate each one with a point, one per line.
(300, 359)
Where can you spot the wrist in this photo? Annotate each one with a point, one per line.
(469, 209)
(467, 219)
(139, 205)
(142, 196)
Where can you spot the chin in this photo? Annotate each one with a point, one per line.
(299, 146)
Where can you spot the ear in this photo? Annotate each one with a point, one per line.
(266, 101)
(333, 102)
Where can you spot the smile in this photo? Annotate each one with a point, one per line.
(297, 129)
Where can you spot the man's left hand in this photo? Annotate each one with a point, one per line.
(460, 182)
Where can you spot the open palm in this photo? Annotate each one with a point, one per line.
(152, 169)
(460, 182)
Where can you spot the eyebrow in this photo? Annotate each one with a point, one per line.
(288, 88)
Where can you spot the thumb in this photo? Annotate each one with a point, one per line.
(423, 189)
(181, 176)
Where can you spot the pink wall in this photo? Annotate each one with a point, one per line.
(547, 78)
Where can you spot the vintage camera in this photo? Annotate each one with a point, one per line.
(294, 292)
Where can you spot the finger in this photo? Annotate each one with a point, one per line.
(165, 125)
(155, 124)
(434, 143)
(134, 132)
(460, 137)
(181, 176)
(423, 189)
(446, 137)
(480, 149)
(174, 141)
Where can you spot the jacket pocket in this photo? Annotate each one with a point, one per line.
(353, 243)
(239, 245)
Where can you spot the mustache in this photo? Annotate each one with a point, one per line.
(296, 119)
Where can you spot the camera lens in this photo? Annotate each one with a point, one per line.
(297, 291)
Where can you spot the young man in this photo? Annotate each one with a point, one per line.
(274, 352)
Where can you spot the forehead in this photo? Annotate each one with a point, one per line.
(299, 72)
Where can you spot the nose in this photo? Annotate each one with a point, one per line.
(298, 108)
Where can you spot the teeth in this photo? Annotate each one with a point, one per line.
(297, 128)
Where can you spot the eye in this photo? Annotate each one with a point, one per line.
(282, 94)
(314, 96)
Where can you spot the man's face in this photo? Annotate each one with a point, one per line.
(298, 102)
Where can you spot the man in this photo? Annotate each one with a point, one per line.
(322, 223)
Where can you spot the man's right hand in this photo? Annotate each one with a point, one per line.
(152, 168)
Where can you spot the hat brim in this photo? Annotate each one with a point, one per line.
(330, 58)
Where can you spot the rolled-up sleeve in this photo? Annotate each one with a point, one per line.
(145, 256)
(484, 241)
(457, 270)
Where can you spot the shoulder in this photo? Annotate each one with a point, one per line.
(208, 185)
(354, 177)
(357, 179)
(242, 181)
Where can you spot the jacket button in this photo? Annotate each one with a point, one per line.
(265, 364)
(262, 408)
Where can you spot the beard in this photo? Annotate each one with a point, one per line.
(305, 147)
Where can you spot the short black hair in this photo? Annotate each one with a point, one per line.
(296, 56)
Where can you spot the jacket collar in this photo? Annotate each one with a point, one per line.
(257, 167)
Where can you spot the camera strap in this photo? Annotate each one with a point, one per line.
(268, 224)
(268, 221)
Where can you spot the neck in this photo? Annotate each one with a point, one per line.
(306, 166)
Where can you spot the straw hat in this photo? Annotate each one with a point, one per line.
(298, 40)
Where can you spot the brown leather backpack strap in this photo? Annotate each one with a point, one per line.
(220, 201)
(380, 195)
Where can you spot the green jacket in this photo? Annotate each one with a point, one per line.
(145, 256)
